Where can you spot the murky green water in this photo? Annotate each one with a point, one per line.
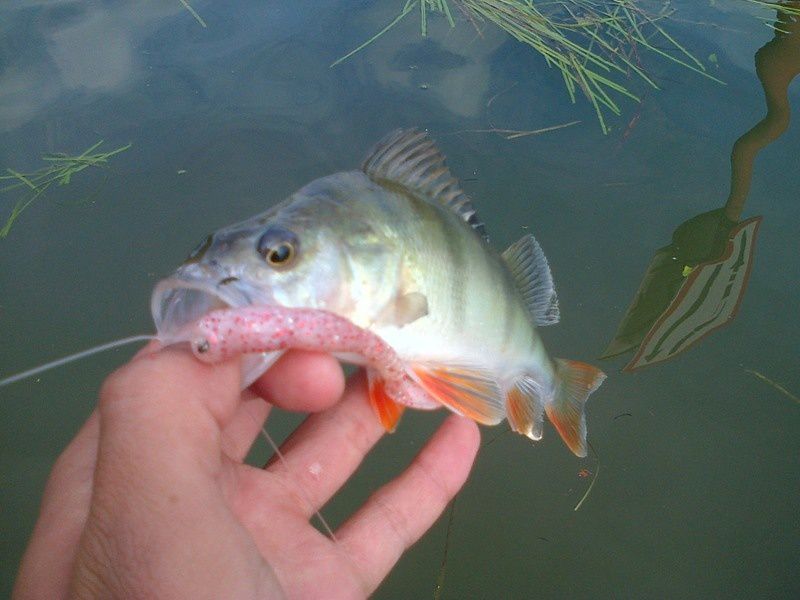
(697, 494)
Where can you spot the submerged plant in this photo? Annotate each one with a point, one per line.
(593, 43)
(60, 169)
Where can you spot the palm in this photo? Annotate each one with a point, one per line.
(153, 495)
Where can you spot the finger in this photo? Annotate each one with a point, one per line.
(397, 515)
(161, 482)
(322, 454)
(245, 425)
(160, 473)
(151, 347)
(48, 560)
(159, 450)
(169, 394)
(302, 381)
(288, 385)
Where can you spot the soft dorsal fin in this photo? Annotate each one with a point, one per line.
(409, 158)
(531, 273)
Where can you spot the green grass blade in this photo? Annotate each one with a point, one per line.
(61, 168)
(193, 12)
(407, 9)
(19, 207)
(446, 10)
(22, 178)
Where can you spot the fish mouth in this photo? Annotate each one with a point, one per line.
(192, 292)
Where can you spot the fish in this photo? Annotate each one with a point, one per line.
(387, 266)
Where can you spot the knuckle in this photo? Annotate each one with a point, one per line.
(359, 434)
(436, 480)
(399, 522)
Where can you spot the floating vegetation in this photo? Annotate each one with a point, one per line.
(193, 12)
(514, 134)
(59, 170)
(591, 42)
(789, 7)
(594, 480)
(774, 384)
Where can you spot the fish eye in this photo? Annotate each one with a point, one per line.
(278, 247)
(281, 254)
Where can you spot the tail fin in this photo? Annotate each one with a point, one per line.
(575, 381)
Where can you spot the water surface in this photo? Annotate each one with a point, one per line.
(698, 490)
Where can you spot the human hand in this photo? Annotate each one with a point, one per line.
(151, 498)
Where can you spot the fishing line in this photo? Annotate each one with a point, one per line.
(77, 356)
(144, 338)
(437, 594)
(300, 489)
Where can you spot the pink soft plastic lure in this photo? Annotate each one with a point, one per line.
(227, 333)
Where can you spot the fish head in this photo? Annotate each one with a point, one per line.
(317, 249)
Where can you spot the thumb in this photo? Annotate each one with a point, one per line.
(161, 417)
(166, 406)
(157, 492)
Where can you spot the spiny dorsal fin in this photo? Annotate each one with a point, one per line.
(409, 158)
(528, 266)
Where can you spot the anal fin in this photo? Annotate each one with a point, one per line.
(525, 408)
(468, 391)
(387, 410)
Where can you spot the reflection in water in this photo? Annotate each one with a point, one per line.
(81, 55)
(695, 284)
(777, 64)
(692, 287)
(89, 48)
(452, 65)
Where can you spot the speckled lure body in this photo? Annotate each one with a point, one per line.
(227, 333)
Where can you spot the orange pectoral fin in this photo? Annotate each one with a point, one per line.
(467, 391)
(388, 411)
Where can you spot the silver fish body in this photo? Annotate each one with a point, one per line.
(397, 249)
